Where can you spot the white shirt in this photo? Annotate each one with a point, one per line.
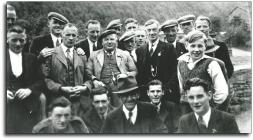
(134, 111)
(91, 45)
(64, 48)
(175, 44)
(206, 117)
(55, 39)
(219, 82)
(154, 45)
(16, 63)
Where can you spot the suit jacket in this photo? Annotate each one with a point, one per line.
(40, 43)
(93, 121)
(166, 60)
(223, 54)
(85, 46)
(124, 61)
(180, 49)
(220, 122)
(27, 109)
(146, 114)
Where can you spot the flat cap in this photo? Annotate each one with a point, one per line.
(168, 23)
(185, 19)
(58, 17)
(113, 24)
(127, 35)
(106, 33)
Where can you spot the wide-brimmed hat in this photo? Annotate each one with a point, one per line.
(106, 33)
(58, 17)
(114, 24)
(126, 85)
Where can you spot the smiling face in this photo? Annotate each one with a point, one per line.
(196, 49)
(61, 117)
(16, 41)
(198, 99)
(203, 26)
(129, 100)
(152, 31)
(155, 93)
(110, 42)
(171, 33)
(55, 26)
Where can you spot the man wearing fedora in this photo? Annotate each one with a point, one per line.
(214, 48)
(111, 66)
(133, 116)
(157, 60)
(170, 29)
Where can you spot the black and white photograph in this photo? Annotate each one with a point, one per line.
(127, 67)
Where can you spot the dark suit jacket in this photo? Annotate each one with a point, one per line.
(223, 54)
(93, 121)
(220, 122)
(166, 60)
(41, 42)
(85, 46)
(180, 49)
(146, 114)
(22, 114)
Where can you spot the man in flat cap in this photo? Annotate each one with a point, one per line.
(156, 60)
(115, 25)
(170, 29)
(110, 65)
(94, 118)
(133, 116)
(67, 74)
(131, 24)
(11, 16)
(215, 48)
(186, 23)
(91, 44)
(128, 42)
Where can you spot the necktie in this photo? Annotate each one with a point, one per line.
(58, 43)
(201, 125)
(68, 55)
(94, 47)
(151, 51)
(130, 114)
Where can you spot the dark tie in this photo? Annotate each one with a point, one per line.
(94, 47)
(68, 55)
(201, 124)
(70, 77)
(151, 51)
(58, 43)
(130, 114)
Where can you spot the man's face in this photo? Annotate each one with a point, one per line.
(55, 26)
(129, 100)
(131, 26)
(93, 32)
(129, 44)
(203, 26)
(152, 31)
(198, 99)
(11, 17)
(16, 41)
(196, 49)
(155, 93)
(61, 117)
(187, 27)
(101, 103)
(171, 33)
(118, 30)
(110, 42)
(140, 37)
(69, 36)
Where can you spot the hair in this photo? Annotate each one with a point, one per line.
(201, 17)
(99, 91)
(154, 82)
(59, 102)
(16, 28)
(91, 22)
(151, 21)
(131, 20)
(194, 36)
(70, 25)
(196, 82)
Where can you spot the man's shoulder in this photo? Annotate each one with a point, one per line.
(76, 121)
(222, 114)
(186, 117)
(42, 126)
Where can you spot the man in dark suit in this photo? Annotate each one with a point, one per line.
(166, 110)
(214, 48)
(170, 29)
(133, 116)
(157, 60)
(204, 119)
(94, 118)
(23, 83)
(91, 44)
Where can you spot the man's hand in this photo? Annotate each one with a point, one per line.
(46, 52)
(79, 89)
(10, 96)
(122, 75)
(98, 83)
(67, 89)
(23, 93)
(80, 51)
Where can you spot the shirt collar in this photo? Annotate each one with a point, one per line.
(65, 48)
(206, 117)
(154, 45)
(90, 42)
(134, 111)
(108, 52)
(175, 43)
(54, 38)
(15, 54)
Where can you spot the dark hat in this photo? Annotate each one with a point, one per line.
(106, 33)
(127, 35)
(126, 85)
(168, 23)
(58, 17)
(185, 19)
(114, 23)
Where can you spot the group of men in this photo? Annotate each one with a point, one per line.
(111, 82)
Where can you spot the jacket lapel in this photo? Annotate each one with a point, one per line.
(60, 55)
(193, 124)
(76, 59)
(119, 121)
(118, 58)
(100, 57)
(213, 122)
